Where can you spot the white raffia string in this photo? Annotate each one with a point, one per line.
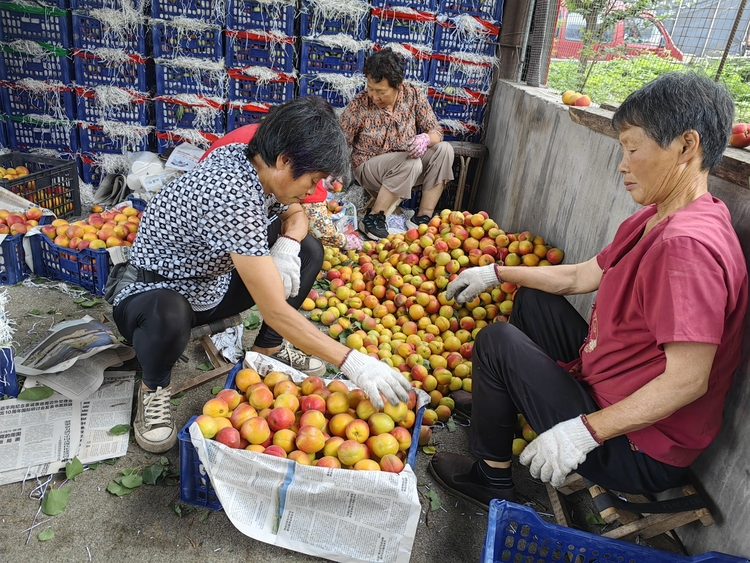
(342, 41)
(215, 71)
(186, 25)
(6, 331)
(30, 49)
(117, 24)
(456, 92)
(113, 163)
(399, 49)
(421, 26)
(460, 127)
(112, 55)
(347, 86)
(192, 136)
(50, 91)
(205, 113)
(264, 75)
(131, 136)
(337, 10)
(48, 153)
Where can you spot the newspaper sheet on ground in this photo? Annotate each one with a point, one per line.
(338, 514)
(38, 437)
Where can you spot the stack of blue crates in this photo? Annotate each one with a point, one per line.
(39, 114)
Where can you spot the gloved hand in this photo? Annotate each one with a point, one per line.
(419, 145)
(375, 377)
(553, 454)
(471, 283)
(285, 254)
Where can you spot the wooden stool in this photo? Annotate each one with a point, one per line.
(465, 152)
(637, 514)
(221, 367)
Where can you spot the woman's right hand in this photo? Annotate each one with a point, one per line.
(470, 283)
(375, 378)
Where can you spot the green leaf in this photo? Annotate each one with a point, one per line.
(179, 395)
(164, 460)
(52, 312)
(132, 481)
(434, 499)
(215, 390)
(592, 518)
(73, 468)
(180, 112)
(117, 489)
(251, 322)
(205, 515)
(152, 473)
(174, 402)
(178, 510)
(92, 466)
(79, 300)
(36, 393)
(55, 501)
(130, 471)
(451, 425)
(110, 461)
(429, 450)
(205, 366)
(88, 304)
(45, 535)
(119, 429)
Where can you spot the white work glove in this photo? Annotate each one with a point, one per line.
(554, 454)
(419, 145)
(375, 377)
(285, 254)
(471, 282)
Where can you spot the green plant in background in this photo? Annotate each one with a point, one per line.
(612, 81)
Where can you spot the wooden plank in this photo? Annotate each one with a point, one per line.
(597, 119)
(653, 525)
(202, 378)
(212, 352)
(735, 167)
(572, 484)
(558, 506)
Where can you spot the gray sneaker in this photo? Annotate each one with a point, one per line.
(154, 428)
(308, 365)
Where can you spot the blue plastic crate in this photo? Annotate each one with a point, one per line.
(207, 10)
(401, 27)
(139, 5)
(94, 71)
(55, 65)
(138, 110)
(195, 486)
(416, 60)
(318, 57)
(13, 268)
(26, 133)
(90, 171)
(173, 113)
(3, 134)
(516, 533)
(469, 133)
(91, 33)
(486, 9)
(247, 14)
(246, 88)
(52, 183)
(172, 41)
(86, 268)
(419, 5)
(56, 100)
(462, 108)
(448, 70)
(449, 39)
(8, 379)
(316, 86)
(245, 114)
(94, 139)
(170, 139)
(35, 23)
(313, 23)
(138, 203)
(173, 80)
(256, 48)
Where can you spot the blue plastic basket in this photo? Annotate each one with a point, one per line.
(312, 23)
(447, 106)
(486, 9)
(473, 134)
(247, 14)
(8, 379)
(169, 139)
(140, 5)
(516, 533)
(448, 40)
(56, 66)
(90, 33)
(401, 27)
(35, 23)
(3, 133)
(138, 111)
(245, 88)
(419, 5)
(208, 10)
(86, 268)
(94, 139)
(13, 268)
(317, 57)
(255, 48)
(138, 203)
(416, 66)
(195, 486)
(90, 171)
(172, 80)
(25, 133)
(19, 101)
(172, 113)
(94, 71)
(171, 41)
(446, 70)
(245, 114)
(314, 86)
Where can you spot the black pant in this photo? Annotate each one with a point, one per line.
(158, 322)
(515, 369)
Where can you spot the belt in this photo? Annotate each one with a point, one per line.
(146, 276)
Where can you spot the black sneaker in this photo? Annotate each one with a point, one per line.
(417, 220)
(373, 226)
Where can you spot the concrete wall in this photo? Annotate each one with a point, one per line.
(559, 180)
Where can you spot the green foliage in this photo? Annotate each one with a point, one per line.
(55, 501)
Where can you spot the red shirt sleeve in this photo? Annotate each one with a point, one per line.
(242, 134)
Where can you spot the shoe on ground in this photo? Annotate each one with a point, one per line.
(453, 471)
(309, 365)
(462, 402)
(373, 226)
(417, 220)
(154, 427)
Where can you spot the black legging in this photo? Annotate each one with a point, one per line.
(515, 369)
(158, 322)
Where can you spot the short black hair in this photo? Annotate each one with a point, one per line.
(305, 130)
(387, 64)
(677, 102)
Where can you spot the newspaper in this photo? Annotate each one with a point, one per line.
(38, 437)
(184, 157)
(339, 514)
(72, 356)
